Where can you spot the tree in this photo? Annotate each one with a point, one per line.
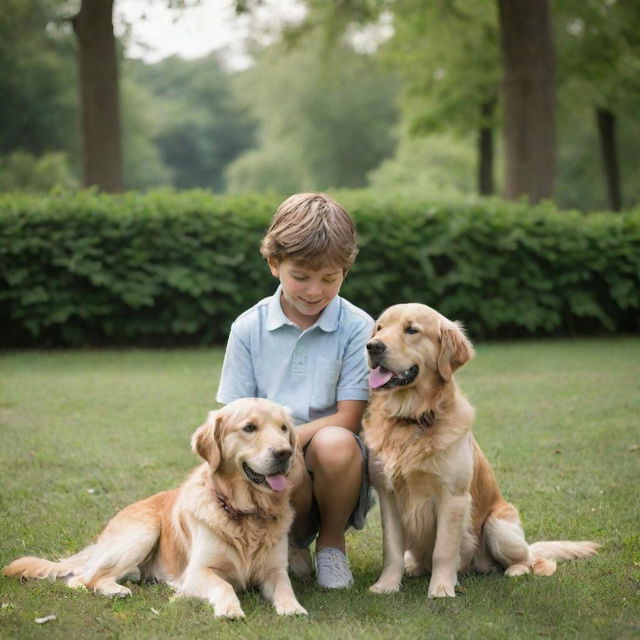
(528, 65)
(528, 62)
(100, 108)
(449, 88)
(599, 63)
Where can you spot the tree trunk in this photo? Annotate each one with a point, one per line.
(98, 66)
(607, 132)
(485, 151)
(528, 60)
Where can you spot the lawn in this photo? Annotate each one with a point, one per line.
(83, 433)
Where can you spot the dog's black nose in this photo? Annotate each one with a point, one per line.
(376, 347)
(281, 455)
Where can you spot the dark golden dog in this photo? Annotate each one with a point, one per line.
(442, 511)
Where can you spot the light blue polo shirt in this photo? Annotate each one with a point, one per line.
(309, 371)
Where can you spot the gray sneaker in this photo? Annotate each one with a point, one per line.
(332, 569)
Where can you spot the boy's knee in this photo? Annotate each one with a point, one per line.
(333, 448)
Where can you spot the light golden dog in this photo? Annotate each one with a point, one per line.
(442, 511)
(224, 529)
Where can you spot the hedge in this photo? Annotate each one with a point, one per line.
(177, 268)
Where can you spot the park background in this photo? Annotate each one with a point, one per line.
(488, 152)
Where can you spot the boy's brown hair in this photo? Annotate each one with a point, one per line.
(313, 230)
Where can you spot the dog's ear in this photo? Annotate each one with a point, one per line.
(204, 441)
(293, 434)
(455, 349)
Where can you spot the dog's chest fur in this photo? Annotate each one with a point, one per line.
(251, 547)
(419, 465)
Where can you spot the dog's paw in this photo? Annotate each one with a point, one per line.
(113, 590)
(442, 590)
(544, 567)
(385, 585)
(231, 611)
(75, 582)
(516, 570)
(291, 609)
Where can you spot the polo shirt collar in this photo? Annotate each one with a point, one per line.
(328, 320)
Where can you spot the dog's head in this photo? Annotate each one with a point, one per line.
(251, 436)
(411, 341)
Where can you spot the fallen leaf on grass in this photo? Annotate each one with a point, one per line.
(155, 611)
(46, 619)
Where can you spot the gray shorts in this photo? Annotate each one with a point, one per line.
(359, 513)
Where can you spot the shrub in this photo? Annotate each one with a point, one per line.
(166, 268)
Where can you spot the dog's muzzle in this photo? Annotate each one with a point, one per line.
(381, 377)
(276, 478)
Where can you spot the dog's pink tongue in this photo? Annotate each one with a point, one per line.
(277, 482)
(379, 376)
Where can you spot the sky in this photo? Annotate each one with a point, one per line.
(155, 31)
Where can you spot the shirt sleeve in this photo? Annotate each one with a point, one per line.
(353, 383)
(237, 379)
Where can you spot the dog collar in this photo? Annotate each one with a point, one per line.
(237, 514)
(424, 421)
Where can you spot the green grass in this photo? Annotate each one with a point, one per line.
(558, 420)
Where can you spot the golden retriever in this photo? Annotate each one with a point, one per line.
(441, 508)
(224, 529)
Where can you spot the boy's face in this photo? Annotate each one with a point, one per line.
(306, 292)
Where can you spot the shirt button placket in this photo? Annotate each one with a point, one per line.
(299, 364)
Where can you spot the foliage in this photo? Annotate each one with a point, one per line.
(326, 116)
(88, 432)
(446, 86)
(202, 127)
(37, 83)
(436, 165)
(167, 268)
(598, 67)
(143, 165)
(24, 172)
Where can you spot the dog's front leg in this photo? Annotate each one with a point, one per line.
(392, 533)
(202, 580)
(453, 514)
(205, 583)
(277, 589)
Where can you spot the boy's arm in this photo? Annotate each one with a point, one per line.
(348, 415)
(237, 379)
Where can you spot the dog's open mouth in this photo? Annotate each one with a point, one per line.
(382, 378)
(276, 481)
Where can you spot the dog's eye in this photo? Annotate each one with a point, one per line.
(410, 330)
(379, 327)
(284, 427)
(250, 428)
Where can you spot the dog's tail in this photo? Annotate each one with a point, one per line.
(547, 554)
(32, 567)
(560, 550)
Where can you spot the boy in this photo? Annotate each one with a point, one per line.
(304, 347)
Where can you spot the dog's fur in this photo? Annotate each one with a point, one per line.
(442, 511)
(220, 531)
